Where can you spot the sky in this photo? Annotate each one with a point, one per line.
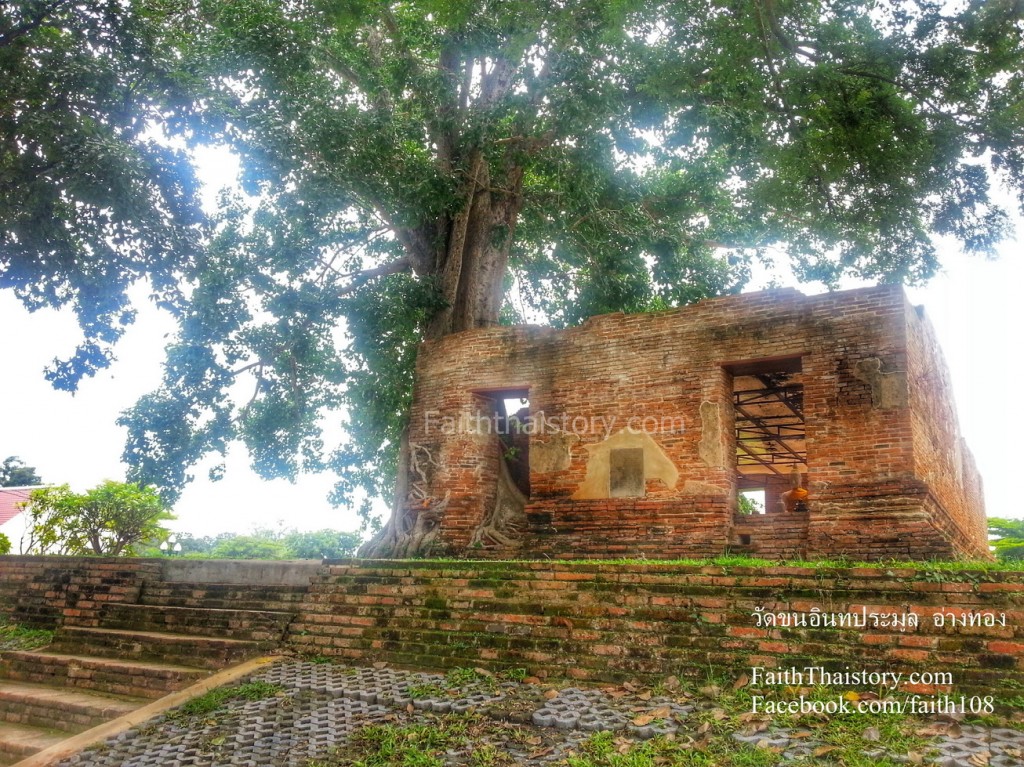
(975, 305)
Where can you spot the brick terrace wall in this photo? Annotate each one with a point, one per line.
(868, 500)
(47, 592)
(609, 622)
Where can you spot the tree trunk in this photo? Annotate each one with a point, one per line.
(470, 269)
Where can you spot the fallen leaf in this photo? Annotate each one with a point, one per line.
(410, 708)
(483, 672)
(743, 681)
(980, 759)
(671, 684)
(822, 750)
(704, 728)
(718, 714)
(915, 758)
(935, 728)
(550, 694)
(532, 680)
(851, 696)
(534, 741)
(380, 664)
(802, 734)
(661, 712)
(871, 734)
(630, 686)
(643, 720)
(644, 696)
(711, 691)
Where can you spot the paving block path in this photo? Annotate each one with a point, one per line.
(319, 707)
(176, 634)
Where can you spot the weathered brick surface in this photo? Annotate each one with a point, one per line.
(606, 622)
(100, 674)
(889, 473)
(46, 592)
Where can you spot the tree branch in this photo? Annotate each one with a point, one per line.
(8, 37)
(361, 278)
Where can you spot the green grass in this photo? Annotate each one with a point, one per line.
(417, 745)
(951, 566)
(15, 637)
(218, 698)
(460, 678)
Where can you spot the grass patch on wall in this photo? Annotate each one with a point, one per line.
(921, 566)
(15, 637)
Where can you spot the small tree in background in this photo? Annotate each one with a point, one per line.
(332, 544)
(249, 547)
(265, 543)
(15, 473)
(1009, 533)
(109, 520)
(5, 544)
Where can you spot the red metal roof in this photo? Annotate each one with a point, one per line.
(10, 500)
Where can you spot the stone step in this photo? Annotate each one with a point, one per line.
(159, 647)
(134, 678)
(253, 625)
(230, 596)
(18, 741)
(60, 708)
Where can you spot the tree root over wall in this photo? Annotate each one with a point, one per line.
(416, 518)
(503, 525)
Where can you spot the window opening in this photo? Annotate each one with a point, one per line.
(751, 502)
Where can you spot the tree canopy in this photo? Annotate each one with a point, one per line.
(267, 544)
(14, 472)
(1007, 537)
(416, 169)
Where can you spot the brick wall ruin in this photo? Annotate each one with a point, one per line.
(599, 622)
(614, 622)
(634, 438)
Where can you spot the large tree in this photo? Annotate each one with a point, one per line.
(418, 169)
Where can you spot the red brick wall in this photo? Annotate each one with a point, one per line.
(941, 456)
(606, 622)
(869, 497)
(47, 592)
(770, 536)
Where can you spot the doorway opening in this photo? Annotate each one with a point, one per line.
(510, 414)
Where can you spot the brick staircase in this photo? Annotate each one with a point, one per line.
(174, 635)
